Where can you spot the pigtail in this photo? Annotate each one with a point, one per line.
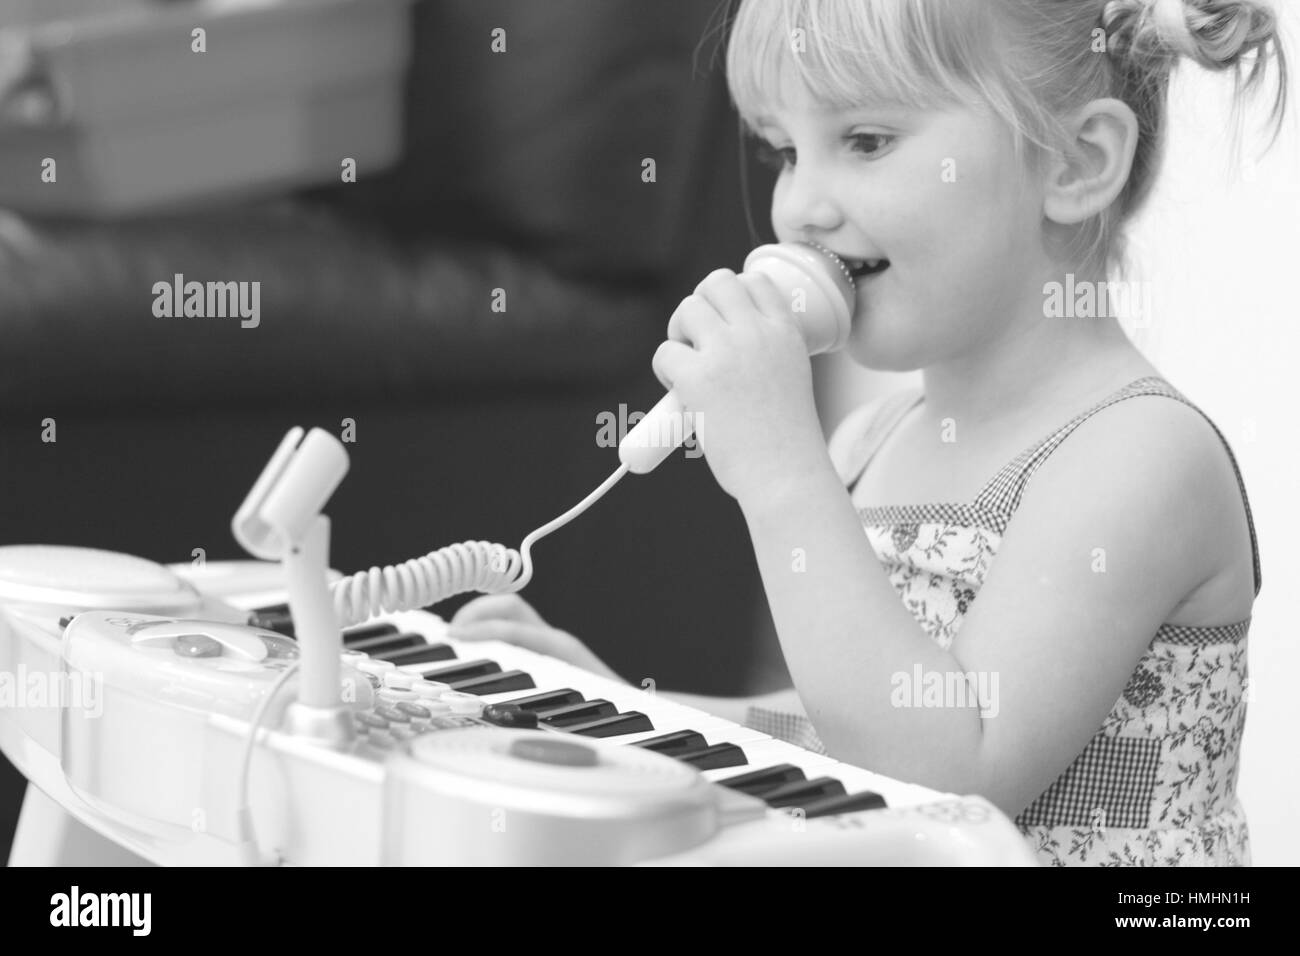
(1146, 37)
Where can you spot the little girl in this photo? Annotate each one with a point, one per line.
(1017, 581)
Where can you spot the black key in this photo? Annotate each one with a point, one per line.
(803, 792)
(494, 683)
(577, 713)
(631, 722)
(275, 618)
(714, 758)
(547, 701)
(462, 671)
(675, 743)
(355, 635)
(757, 782)
(507, 715)
(424, 654)
(384, 642)
(851, 803)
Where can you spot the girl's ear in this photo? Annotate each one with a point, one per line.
(1088, 179)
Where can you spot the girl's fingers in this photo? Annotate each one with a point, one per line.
(693, 322)
(669, 361)
(769, 299)
(504, 607)
(724, 291)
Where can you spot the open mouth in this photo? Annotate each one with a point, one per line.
(861, 268)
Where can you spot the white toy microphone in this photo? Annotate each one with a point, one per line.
(821, 293)
(809, 275)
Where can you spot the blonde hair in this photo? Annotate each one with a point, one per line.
(1032, 62)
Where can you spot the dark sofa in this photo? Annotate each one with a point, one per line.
(522, 171)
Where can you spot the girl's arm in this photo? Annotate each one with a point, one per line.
(1052, 636)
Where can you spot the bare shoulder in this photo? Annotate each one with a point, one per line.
(1161, 460)
(1120, 530)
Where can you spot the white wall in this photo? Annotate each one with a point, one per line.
(1220, 247)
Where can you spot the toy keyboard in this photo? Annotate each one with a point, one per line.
(479, 754)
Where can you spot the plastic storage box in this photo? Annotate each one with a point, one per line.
(137, 120)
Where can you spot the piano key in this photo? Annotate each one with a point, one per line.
(679, 741)
(849, 803)
(801, 792)
(504, 715)
(494, 683)
(388, 642)
(274, 619)
(425, 654)
(771, 752)
(543, 701)
(625, 723)
(896, 793)
(757, 782)
(667, 716)
(664, 715)
(714, 729)
(577, 713)
(715, 757)
(462, 671)
(367, 632)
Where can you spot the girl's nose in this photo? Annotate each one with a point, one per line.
(804, 202)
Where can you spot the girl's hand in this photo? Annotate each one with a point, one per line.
(509, 618)
(737, 360)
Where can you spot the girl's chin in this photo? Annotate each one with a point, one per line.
(871, 349)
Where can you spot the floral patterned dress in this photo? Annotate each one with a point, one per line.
(1156, 785)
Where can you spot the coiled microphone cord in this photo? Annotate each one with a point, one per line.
(468, 566)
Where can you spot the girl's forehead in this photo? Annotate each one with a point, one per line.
(834, 115)
(795, 102)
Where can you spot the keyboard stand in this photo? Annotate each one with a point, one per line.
(48, 835)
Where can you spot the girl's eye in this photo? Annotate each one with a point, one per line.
(870, 145)
(773, 158)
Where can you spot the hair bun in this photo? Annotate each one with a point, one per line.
(1217, 34)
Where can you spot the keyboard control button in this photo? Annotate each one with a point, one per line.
(367, 719)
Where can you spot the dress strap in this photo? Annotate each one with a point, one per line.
(1004, 492)
(883, 417)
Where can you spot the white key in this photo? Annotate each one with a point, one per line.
(667, 716)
